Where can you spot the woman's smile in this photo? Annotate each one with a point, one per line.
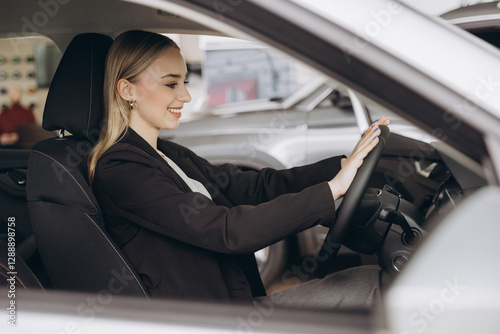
(176, 112)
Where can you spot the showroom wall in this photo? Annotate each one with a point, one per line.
(29, 64)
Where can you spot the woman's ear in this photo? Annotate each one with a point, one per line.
(125, 90)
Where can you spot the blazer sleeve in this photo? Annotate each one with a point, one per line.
(136, 189)
(252, 187)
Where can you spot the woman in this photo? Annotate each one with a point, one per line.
(188, 227)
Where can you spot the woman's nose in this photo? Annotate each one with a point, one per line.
(184, 96)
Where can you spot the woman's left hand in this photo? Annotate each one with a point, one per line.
(349, 166)
(382, 121)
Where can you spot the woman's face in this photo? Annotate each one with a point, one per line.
(160, 93)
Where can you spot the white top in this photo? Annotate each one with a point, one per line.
(196, 186)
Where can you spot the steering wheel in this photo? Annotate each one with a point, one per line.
(347, 208)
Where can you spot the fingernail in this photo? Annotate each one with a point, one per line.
(375, 138)
(377, 128)
(376, 120)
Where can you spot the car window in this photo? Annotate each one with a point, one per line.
(490, 36)
(225, 70)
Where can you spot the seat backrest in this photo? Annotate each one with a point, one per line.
(66, 219)
(15, 225)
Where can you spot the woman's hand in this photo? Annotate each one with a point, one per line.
(9, 138)
(349, 166)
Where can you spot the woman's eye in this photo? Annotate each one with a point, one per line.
(173, 85)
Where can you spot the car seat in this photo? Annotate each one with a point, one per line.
(66, 219)
(22, 265)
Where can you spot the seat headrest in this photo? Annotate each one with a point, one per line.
(75, 99)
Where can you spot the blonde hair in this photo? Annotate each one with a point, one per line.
(131, 53)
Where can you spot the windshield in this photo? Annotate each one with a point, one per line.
(471, 70)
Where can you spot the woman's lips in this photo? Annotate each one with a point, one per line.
(176, 112)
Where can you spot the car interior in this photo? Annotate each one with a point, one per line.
(62, 242)
(71, 242)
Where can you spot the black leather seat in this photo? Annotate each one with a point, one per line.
(66, 218)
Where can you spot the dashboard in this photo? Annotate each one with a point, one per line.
(463, 177)
(442, 179)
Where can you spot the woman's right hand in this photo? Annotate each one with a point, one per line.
(342, 181)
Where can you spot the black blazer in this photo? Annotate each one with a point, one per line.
(184, 245)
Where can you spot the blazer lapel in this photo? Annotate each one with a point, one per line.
(193, 171)
(184, 163)
(135, 139)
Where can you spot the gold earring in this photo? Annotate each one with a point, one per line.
(131, 105)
